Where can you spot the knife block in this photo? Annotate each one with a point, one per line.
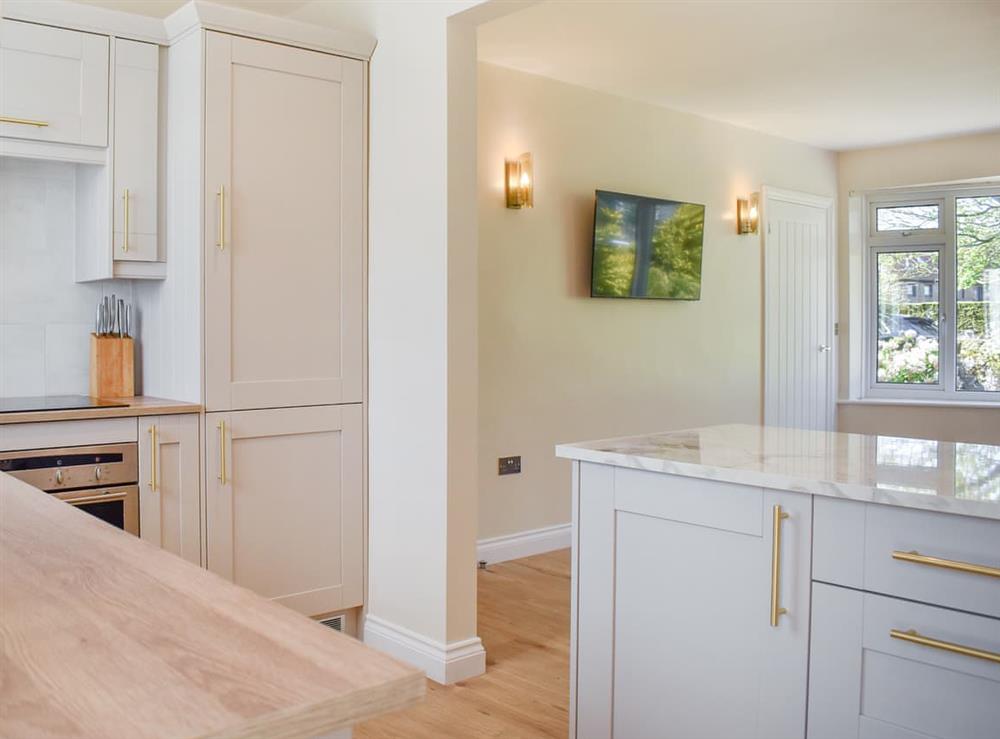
(112, 370)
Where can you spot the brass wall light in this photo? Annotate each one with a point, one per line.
(519, 184)
(747, 215)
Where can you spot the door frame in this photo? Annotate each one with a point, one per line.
(767, 195)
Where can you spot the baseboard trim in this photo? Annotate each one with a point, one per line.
(443, 663)
(524, 543)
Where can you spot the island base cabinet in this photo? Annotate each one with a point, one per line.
(170, 484)
(865, 683)
(673, 597)
(284, 504)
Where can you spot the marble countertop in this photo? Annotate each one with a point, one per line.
(913, 473)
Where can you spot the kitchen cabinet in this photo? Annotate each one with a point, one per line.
(136, 151)
(284, 503)
(53, 84)
(686, 646)
(283, 226)
(866, 683)
(170, 484)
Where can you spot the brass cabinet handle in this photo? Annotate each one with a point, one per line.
(948, 564)
(221, 241)
(106, 498)
(914, 637)
(776, 610)
(125, 197)
(23, 121)
(222, 451)
(152, 458)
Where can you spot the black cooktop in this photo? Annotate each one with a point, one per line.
(55, 403)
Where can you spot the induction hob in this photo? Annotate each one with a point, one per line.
(55, 403)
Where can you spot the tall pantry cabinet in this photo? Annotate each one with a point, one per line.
(277, 208)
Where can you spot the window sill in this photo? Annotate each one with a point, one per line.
(994, 405)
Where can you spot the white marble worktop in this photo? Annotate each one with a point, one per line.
(912, 473)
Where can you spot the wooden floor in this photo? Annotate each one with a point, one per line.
(524, 624)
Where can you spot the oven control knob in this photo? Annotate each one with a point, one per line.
(59, 477)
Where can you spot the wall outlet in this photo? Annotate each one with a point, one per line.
(509, 465)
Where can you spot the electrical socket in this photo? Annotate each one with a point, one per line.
(509, 465)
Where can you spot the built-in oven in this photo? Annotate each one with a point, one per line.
(101, 480)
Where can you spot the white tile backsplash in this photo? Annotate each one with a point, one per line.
(45, 317)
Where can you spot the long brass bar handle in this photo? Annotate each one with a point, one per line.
(23, 121)
(125, 197)
(914, 637)
(106, 498)
(221, 241)
(222, 451)
(152, 458)
(776, 610)
(948, 564)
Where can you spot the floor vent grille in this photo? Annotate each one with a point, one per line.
(334, 622)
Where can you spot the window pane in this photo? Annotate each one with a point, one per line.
(907, 218)
(978, 238)
(908, 294)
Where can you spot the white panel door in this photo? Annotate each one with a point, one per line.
(674, 636)
(284, 504)
(53, 84)
(284, 162)
(170, 484)
(799, 367)
(136, 150)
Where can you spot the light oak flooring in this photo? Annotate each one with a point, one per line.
(524, 624)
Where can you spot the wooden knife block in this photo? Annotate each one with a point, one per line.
(112, 370)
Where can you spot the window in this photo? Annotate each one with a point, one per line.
(934, 306)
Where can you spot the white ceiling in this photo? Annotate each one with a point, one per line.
(838, 74)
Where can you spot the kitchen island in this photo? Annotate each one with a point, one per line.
(755, 582)
(107, 636)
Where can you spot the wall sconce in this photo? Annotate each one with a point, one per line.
(519, 184)
(747, 215)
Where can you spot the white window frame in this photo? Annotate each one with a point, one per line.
(942, 240)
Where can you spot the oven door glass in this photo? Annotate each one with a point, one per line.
(117, 506)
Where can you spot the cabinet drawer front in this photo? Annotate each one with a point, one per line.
(57, 78)
(928, 689)
(718, 505)
(952, 541)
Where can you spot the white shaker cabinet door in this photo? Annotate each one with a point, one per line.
(170, 484)
(675, 635)
(136, 151)
(53, 84)
(284, 504)
(284, 157)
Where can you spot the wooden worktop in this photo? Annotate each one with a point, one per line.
(140, 405)
(107, 636)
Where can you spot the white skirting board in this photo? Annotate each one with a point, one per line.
(443, 663)
(524, 543)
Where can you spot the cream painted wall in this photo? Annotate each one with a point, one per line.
(556, 365)
(943, 160)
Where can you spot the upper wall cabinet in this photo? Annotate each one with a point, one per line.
(53, 84)
(136, 150)
(283, 239)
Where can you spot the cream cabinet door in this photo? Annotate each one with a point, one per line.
(136, 150)
(53, 84)
(284, 155)
(284, 504)
(674, 635)
(170, 484)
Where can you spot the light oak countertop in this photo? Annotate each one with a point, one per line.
(140, 405)
(104, 635)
